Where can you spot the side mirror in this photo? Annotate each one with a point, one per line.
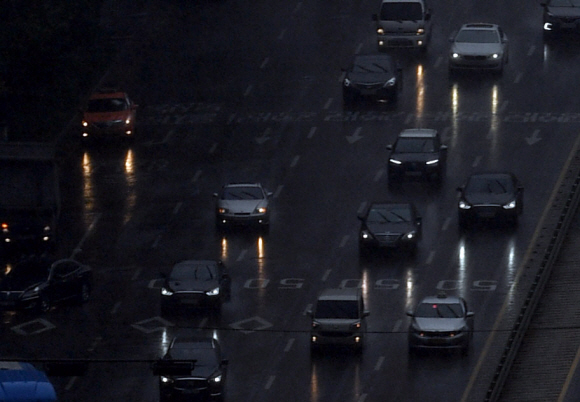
(216, 195)
(410, 313)
(427, 15)
(309, 312)
(443, 147)
(469, 314)
(366, 313)
(389, 147)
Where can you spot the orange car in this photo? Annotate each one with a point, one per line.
(109, 114)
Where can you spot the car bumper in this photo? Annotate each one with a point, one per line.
(487, 213)
(321, 338)
(243, 219)
(387, 242)
(108, 132)
(402, 41)
(370, 93)
(438, 341)
(191, 300)
(414, 169)
(475, 63)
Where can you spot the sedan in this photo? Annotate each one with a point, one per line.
(417, 152)
(243, 204)
(374, 76)
(441, 322)
(195, 283)
(205, 378)
(389, 225)
(110, 114)
(561, 16)
(39, 283)
(490, 196)
(479, 46)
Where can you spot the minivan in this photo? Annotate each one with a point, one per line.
(403, 23)
(338, 318)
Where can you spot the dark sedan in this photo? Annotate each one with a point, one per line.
(389, 225)
(194, 283)
(39, 283)
(374, 76)
(206, 379)
(490, 196)
(417, 152)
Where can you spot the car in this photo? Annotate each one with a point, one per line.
(110, 114)
(206, 379)
(490, 196)
(417, 152)
(371, 76)
(441, 322)
(403, 24)
(39, 283)
(561, 16)
(479, 46)
(195, 284)
(243, 204)
(338, 318)
(389, 225)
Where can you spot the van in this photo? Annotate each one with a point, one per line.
(338, 318)
(22, 382)
(403, 24)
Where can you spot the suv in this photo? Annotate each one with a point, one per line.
(205, 381)
(561, 16)
(403, 23)
(110, 114)
(441, 322)
(339, 318)
(417, 152)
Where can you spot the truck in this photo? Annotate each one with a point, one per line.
(22, 382)
(29, 194)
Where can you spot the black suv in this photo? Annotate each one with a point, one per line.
(561, 16)
(206, 379)
(417, 152)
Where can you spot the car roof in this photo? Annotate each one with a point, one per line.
(418, 132)
(480, 25)
(340, 294)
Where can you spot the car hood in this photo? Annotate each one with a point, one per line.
(241, 206)
(572, 12)
(108, 116)
(439, 324)
(369, 78)
(476, 48)
(192, 285)
(390, 227)
(488, 198)
(415, 156)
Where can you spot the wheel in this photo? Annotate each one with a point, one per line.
(44, 304)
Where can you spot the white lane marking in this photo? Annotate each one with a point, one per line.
(379, 363)
(289, 345)
(242, 255)
(326, 275)
(379, 175)
(476, 161)
(344, 241)
(295, 161)
(270, 382)
(265, 62)
(328, 103)
(446, 223)
(115, 308)
(248, 90)
(278, 191)
(311, 132)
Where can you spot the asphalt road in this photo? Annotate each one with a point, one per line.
(235, 91)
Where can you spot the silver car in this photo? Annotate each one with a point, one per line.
(441, 322)
(478, 46)
(243, 204)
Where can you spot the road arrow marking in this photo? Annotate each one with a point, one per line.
(265, 137)
(534, 138)
(355, 136)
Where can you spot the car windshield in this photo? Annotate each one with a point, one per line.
(439, 310)
(490, 185)
(202, 272)
(107, 105)
(337, 309)
(370, 65)
(394, 215)
(564, 3)
(415, 145)
(477, 36)
(242, 193)
(404, 11)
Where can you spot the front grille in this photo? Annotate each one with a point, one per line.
(335, 334)
(388, 237)
(475, 58)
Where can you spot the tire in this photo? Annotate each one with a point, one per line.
(44, 304)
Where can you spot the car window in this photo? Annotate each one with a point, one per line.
(394, 215)
(337, 309)
(490, 185)
(439, 310)
(107, 105)
(401, 11)
(242, 193)
(477, 36)
(412, 145)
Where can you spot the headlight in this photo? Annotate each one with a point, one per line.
(31, 293)
(380, 31)
(346, 82)
(547, 26)
(5, 228)
(410, 235)
(222, 211)
(390, 83)
(455, 55)
(420, 31)
(495, 56)
(85, 123)
(432, 162)
(46, 229)
(395, 161)
(165, 380)
(128, 121)
(260, 210)
(464, 205)
(166, 292)
(213, 292)
(510, 205)
(315, 324)
(217, 379)
(365, 235)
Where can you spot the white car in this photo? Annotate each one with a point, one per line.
(478, 46)
(243, 204)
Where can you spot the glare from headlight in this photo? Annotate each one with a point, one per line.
(495, 55)
(410, 235)
(217, 378)
(548, 26)
(166, 292)
(464, 205)
(510, 205)
(85, 123)
(380, 31)
(213, 292)
(455, 55)
(261, 210)
(365, 235)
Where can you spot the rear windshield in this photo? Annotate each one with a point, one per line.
(401, 12)
(337, 309)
